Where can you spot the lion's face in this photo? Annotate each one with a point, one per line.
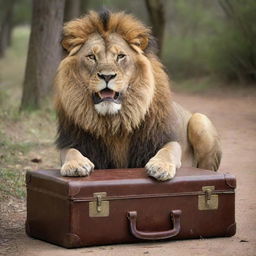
(107, 67)
(106, 83)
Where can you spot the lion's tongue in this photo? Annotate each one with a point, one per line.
(106, 94)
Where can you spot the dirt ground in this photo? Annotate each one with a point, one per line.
(235, 118)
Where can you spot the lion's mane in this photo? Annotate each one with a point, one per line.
(146, 121)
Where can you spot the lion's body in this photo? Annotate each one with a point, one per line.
(143, 121)
(129, 150)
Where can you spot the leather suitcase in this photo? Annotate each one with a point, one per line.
(125, 205)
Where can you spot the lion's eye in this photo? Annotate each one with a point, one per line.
(91, 57)
(120, 56)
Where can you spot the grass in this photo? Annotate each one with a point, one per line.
(23, 136)
(12, 180)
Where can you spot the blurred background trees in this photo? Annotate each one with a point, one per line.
(212, 38)
(156, 13)
(236, 40)
(6, 24)
(72, 9)
(197, 38)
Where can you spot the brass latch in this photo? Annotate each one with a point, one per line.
(208, 201)
(99, 207)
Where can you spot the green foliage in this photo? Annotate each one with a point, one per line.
(186, 47)
(11, 180)
(22, 12)
(206, 38)
(234, 55)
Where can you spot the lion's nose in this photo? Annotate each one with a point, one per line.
(107, 78)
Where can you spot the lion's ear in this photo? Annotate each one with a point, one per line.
(71, 44)
(141, 42)
(73, 36)
(75, 50)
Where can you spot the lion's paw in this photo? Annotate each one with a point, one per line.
(81, 167)
(160, 170)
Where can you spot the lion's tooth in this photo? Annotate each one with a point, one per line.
(100, 95)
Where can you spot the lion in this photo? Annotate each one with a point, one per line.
(114, 104)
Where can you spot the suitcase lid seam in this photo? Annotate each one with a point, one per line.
(123, 197)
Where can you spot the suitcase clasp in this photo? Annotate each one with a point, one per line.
(208, 201)
(99, 207)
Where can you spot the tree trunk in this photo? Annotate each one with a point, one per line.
(44, 51)
(84, 7)
(6, 25)
(10, 30)
(157, 17)
(72, 9)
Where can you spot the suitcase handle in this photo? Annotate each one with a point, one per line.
(175, 217)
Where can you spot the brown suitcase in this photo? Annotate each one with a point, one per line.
(125, 205)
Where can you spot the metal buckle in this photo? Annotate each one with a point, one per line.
(99, 207)
(208, 201)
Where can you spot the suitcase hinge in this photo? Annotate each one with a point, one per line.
(99, 207)
(208, 201)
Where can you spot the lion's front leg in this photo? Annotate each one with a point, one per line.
(74, 163)
(164, 164)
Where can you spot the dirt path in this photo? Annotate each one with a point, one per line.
(235, 118)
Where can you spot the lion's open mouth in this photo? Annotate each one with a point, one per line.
(106, 95)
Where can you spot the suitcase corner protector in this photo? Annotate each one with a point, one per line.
(230, 180)
(71, 240)
(27, 228)
(231, 230)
